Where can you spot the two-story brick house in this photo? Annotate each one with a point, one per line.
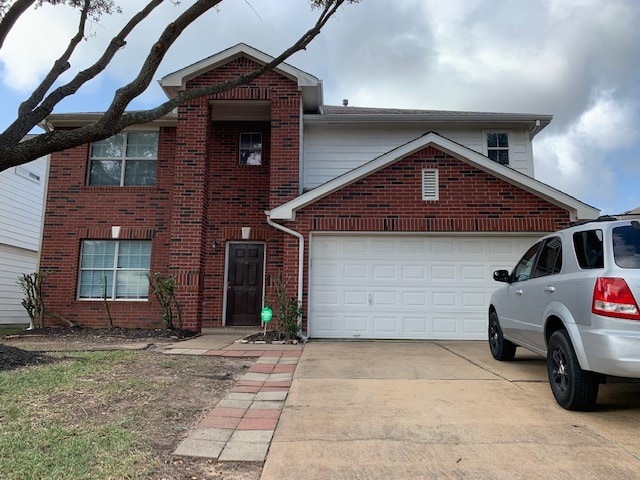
(387, 223)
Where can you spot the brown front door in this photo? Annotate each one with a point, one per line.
(244, 283)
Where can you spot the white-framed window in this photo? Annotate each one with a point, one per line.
(28, 174)
(116, 269)
(250, 148)
(128, 158)
(430, 188)
(498, 147)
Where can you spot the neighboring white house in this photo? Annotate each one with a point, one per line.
(22, 191)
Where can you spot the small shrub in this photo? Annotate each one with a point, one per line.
(286, 309)
(164, 288)
(31, 284)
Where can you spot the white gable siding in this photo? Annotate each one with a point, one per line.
(21, 204)
(333, 149)
(13, 262)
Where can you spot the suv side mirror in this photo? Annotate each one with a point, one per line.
(502, 276)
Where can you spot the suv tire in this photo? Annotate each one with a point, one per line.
(572, 387)
(501, 349)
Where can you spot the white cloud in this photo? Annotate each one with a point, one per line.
(27, 56)
(588, 159)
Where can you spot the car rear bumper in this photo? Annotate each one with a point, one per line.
(612, 346)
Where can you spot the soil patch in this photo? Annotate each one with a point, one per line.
(185, 388)
(11, 357)
(272, 336)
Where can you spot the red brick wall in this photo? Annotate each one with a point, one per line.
(238, 198)
(75, 212)
(285, 103)
(202, 195)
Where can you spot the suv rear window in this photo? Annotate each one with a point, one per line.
(626, 246)
(588, 247)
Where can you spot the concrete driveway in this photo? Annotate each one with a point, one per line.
(439, 410)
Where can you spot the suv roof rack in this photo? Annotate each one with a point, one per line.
(602, 218)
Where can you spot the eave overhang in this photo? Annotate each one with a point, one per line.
(74, 120)
(531, 122)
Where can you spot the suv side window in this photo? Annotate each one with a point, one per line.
(550, 259)
(589, 250)
(525, 266)
(626, 246)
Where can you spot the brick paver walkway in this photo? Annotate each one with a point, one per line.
(241, 426)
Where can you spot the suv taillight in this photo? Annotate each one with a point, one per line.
(613, 298)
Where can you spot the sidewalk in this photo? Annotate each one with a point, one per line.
(241, 426)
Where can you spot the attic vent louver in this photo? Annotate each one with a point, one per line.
(430, 184)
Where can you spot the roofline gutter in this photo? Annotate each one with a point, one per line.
(539, 121)
(300, 238)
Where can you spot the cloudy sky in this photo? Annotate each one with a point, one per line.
(578, 60)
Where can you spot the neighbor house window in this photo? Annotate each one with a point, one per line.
(498, 147)
(115, 269)
(250, 149)
(125, 159)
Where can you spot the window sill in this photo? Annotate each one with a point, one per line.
(115, 189)
(111, 300)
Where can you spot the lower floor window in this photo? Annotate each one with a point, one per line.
(114, 269)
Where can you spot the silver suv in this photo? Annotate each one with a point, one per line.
(573, 297)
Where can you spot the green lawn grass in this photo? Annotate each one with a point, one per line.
(43, 436)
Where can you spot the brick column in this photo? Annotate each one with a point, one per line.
(190, 199)
(285, 149)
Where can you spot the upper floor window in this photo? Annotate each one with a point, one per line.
(498, 147)
(124, 159)
(113, 269)
(250, 149)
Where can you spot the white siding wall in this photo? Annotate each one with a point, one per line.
(21, 205)
(21, 210)
(13, 262)
(331, 150)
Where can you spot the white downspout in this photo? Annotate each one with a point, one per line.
(300, 238)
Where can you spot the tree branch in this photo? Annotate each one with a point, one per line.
(115, 118)
(11, 17)
(59, 66)
(24, 123)
(146, 116)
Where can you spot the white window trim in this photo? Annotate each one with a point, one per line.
(24, 172)
(115, 269)
(433, 193)
(124, 159)
(485, 147)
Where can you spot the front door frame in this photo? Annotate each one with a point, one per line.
(226, 272)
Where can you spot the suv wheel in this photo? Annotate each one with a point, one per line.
(501, 349)
(572, 387)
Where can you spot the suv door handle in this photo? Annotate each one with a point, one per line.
(549, 289)
(518, 292)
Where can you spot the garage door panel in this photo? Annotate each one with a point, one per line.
(384, 272)
(416, 326)
(386, 324)
(405, 286)
(416, 298)
(357, 298)
(355, 324)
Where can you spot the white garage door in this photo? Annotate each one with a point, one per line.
(415, 287)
